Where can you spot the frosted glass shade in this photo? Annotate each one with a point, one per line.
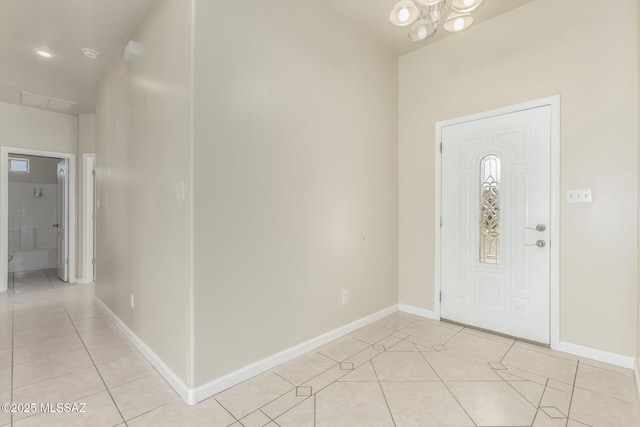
(404, 13)
(465, 6)
(457, 22)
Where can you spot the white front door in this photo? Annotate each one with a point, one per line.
(496, 194)
(63, 217)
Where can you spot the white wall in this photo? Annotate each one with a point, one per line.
(31, 219)
(38, 129)
(295, 173)
(544, 48)
(143, 132)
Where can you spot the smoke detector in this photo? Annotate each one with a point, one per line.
(90, 53)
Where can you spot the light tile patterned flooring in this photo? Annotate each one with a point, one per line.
(56, 345)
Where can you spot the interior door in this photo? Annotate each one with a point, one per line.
(496, 197)
(63, 218)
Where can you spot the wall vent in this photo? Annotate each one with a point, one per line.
(45, 103)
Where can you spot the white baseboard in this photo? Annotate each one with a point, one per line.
(178, 385)
(423, 312)
(216, 386)
(84, 282)
(194, 395)
(592, 353)
(636, 371)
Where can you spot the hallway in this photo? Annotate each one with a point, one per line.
(57, 346)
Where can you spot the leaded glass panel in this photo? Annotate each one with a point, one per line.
(490, 214)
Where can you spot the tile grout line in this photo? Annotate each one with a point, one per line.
(225, 408)
(383, 395)
(95, 366)
(573, 389)
(448, 389)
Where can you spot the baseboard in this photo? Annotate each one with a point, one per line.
(178, 385)
(423, 312)
(599, 355)
(636, 371)
(194, 395)
(83, 281)
(216, 386)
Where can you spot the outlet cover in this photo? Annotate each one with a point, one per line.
(579, 196)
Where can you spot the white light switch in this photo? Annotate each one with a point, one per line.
(579, 196)
(180, 190)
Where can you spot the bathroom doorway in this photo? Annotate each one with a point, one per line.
(37, 212)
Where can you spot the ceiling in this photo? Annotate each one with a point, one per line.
(373, 17)
(62, 27)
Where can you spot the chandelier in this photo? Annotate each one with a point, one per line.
(424, 16)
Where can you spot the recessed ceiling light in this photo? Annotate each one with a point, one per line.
(44, 53)
(90, 53)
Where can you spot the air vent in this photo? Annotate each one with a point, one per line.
(45, 103)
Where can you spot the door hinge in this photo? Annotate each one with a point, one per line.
(440, 222)
(440, 296)
(93, 172)
(440, 147)
(93, 261)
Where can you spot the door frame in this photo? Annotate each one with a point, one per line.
(554, 223)
(4, 210)
(87, 265)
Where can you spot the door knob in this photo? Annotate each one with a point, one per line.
(539, 227)
(539, 243)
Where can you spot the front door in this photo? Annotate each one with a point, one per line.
(496, 184)
(63, 217)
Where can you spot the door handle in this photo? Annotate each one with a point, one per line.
(539, 243)
(55, 225)
(539, 227)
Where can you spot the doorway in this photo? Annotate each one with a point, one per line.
(33, 205)
(498, 220)
(65, 211)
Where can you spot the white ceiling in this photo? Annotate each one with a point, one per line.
(63, 27)
(373, 16)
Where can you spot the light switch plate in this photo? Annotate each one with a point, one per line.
(579, 196)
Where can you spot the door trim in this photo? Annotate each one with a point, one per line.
(87, 253)
(4, 210)
(554, 238)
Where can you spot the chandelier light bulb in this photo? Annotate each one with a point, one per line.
(422, 32)
(403, 15)
(458, 24)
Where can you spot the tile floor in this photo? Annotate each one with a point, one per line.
(56, 345)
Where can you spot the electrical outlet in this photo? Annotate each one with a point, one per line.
(132, 301)
(345, 296)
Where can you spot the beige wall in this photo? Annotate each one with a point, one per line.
(295, 172)
(638, 290)
(544, 48)
(42, 170)
(38, 129)
(86, 144)
(143, 150)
